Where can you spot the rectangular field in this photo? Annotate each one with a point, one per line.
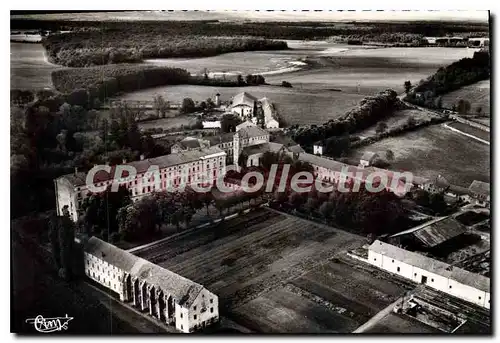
(471, 130)
(478, 94)
(436, 150)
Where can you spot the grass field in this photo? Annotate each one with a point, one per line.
(276, 273)
(478, 94)
(436, 150)
(471, 130)
(397, 119)
(294, 105)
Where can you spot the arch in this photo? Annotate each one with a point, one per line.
(161, 305)
(144, 295)
(152, 300)
(136, 294)
(128, 296)
(170, 308)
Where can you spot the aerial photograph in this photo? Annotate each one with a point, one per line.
(250, 172)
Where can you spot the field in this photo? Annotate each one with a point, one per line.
(295, 106)
(477, 94)
(277, 273)
(28, 67)
(436, 150)
(471, 130)
(395, 120)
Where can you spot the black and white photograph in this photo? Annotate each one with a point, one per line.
(250, 172)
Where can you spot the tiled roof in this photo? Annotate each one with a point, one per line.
(479, 187)
(436, 231)
(252, 131)
(183, 290)
(222, 138)
(261, 148)
(462, 276)
(142, 166)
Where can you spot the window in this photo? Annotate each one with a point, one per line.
(181, 315)
(194, 316)
(374, 259)
(181, 327)
(415, 274)
(479, 298)
(211, 310)
(399, 269)
(450, 286)
(432, 280)
(194, 308)
(211, 301)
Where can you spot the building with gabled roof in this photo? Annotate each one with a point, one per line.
(165, 295)
(460, 283)
(480, 192)
(243, 104)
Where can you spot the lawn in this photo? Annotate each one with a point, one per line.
(478, 94)
(436, 150)
(28, 67)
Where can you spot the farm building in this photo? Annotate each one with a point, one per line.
(437, 185)
(480, 192)
(165, 295)
(318, 149)
(430, 234)
(243, 104)
(367, 159)
(441, 276)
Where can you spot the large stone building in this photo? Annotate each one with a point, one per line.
(174, 170)
(162, 294)
(441, 276)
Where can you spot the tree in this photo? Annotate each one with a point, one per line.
(187, 106)
(381, 127)
(463, 106)
(286, 84)
(439, 102)
(407, 86)
(479, 110)
(389, 155)
(311, 204)
(437, 203)
(66, 244)
(54, 240)
(229, 122)
(240, 80)
(296, 199)
(326, 210)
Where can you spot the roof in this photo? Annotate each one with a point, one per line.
(244, 98)
(436, 231)
(480, 188)
(246, 123)
(295, 148)
(189, 143)
(142, 166)
(368, 156)
(183, 290)
(251, 131)
(462, 276)
(220, 138)
(262, 148)
(268, 109)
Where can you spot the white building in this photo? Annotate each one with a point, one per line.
(474, 288)
(165, 295)
(318, 149)
(175, 170)
(243, 104)
(246, 106)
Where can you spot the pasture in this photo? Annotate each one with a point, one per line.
(436, 150)
(296, 106)
(478, 94)
(29, 68)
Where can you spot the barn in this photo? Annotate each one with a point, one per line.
(460, 283)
